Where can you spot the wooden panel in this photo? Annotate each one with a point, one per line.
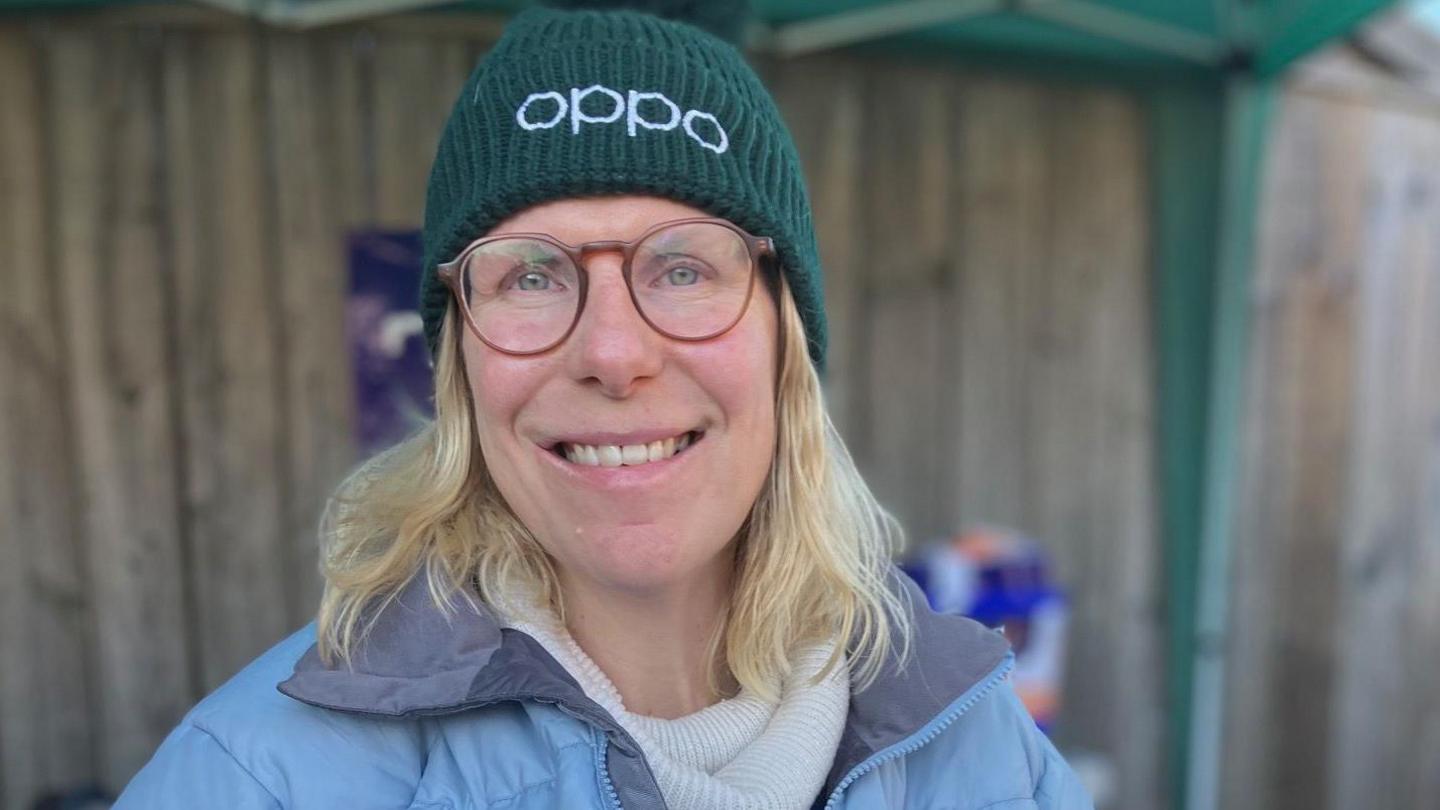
(908, 239)
(226, 302)
(1088, 479)
(344, 64)
(1002, 194)
(1294, 469)
(309, 153)
(104, 102)
(1121, 573)
(1331, 702)
(1385, 746)
(46, 731)
(822, 102)
(417, 80)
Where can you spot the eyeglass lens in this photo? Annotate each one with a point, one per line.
(689, 280)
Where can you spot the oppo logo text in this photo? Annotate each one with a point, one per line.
(640, 110)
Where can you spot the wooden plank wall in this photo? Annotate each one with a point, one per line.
(1336, 619)
(177, 386)
(176, 190)
(48, 717)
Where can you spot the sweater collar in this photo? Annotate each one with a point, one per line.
(419, 661)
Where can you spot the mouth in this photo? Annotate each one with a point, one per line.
(626, 455)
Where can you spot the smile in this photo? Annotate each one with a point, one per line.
(626, 455)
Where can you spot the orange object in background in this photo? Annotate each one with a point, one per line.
(1002, 579)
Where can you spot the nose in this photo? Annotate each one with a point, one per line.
(612, 347)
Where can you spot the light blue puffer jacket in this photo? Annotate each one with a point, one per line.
(463, 714)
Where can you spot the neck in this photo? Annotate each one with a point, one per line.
(653, 644)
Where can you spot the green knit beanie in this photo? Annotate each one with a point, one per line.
(574, 102)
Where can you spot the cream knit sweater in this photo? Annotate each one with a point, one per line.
(739, 754)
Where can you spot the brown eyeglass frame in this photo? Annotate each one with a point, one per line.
(759, 247)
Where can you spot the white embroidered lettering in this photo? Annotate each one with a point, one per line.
(717, 148)
(577, 115)
(712, 137)
(560, 109)
(633, 117)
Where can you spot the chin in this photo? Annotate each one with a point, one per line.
(645, 558)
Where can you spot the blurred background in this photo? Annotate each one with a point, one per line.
(1136, 325)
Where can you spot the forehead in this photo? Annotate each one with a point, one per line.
(590, 219)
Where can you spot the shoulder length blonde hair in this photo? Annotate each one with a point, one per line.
(813, 561)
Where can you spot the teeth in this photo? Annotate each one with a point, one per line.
(630, 455)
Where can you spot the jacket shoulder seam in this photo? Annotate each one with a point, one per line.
(236, 760)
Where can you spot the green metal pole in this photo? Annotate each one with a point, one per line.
(1185, 134)
(1248, 107)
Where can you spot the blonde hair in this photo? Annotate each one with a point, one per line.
(812, 563)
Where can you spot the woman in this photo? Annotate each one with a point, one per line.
(630, 564)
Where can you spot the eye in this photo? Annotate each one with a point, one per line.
(533, 281)
(682, 276)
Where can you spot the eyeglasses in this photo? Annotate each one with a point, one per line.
(690, 279)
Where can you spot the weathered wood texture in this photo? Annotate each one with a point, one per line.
(177, 401)
(47, 716)
(1335, 631)
(106, 224)
(176, 384)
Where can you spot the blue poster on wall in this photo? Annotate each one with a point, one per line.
(393, 387)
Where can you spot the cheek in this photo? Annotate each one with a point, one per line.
(741, 379)
(750, 404)
(499, 390)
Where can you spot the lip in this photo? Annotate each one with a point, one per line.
(619, 478)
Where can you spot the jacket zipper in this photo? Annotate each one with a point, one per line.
(929, 732)
(602, 764)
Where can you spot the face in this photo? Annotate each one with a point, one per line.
(616, 383)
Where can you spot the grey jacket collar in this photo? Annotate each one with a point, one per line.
(418, 662)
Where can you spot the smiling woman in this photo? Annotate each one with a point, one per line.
(657, 538)
(630, 564)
